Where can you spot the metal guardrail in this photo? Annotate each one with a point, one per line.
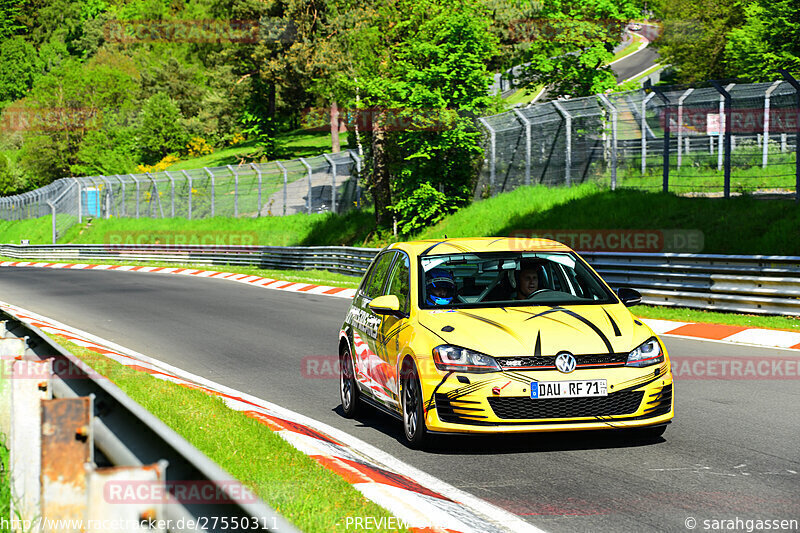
(86, 421)
(737, 283)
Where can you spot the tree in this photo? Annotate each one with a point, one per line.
(161, 131)
(19, 68)
(768, 40)
(695, 34)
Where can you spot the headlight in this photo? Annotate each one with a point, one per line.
(455, 358)
(647, 354)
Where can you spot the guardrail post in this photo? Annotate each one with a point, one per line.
(492, 154)
(189, 178)
(725, 99)
(67, 446)
(682, 98)
(29, 385)
(527, 123)
(607, 103)
(308, 198)
(794, 83)
(644, 130)
(211, 174)
(258, 204)
(235, 191)
(285, 184)
(99, 509)
(568, 156)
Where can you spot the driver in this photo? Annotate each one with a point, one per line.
(528, 279)
(440, 287)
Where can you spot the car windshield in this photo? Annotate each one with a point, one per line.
(508, 279)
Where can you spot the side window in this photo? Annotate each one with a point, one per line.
(398, 283)
(379, 274)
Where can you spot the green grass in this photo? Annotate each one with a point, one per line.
(5, 484)
(522, 96)
(713, 317)
(646, 73)
(308, 495)
(628, 50)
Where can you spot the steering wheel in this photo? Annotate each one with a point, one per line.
(539, 291)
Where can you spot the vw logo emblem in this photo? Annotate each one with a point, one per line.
(565, 362)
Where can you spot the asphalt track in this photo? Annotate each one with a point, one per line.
(634, 64)
(732, 452)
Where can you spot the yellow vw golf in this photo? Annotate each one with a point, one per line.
(499, 335)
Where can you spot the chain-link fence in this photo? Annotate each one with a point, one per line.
(716, 139)
(307, 185)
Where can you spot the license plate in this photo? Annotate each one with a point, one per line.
(569, 389)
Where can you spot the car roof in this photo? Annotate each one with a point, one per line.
(480, 244)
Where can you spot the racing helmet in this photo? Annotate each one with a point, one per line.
(440, 280)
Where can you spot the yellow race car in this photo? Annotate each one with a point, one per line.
(504, 335)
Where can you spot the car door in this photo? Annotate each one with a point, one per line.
(394, 333)
(370, 369)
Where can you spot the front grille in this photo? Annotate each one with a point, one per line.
(549, 361)
(524, 407)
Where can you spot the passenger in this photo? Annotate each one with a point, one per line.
(440, 287)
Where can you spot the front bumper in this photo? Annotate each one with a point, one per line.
(500, 402)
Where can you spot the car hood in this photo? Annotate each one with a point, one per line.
(514, 331)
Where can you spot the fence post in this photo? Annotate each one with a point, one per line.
(682, 98)
(258, 204)
(235, 191)
(172, 194)
(527, 123)
(158, 198)
(138, 192)
(189, 178)
(357, 159)
(644, 130)
(666, 149)
(725, 97)
(308, 197)
(110, 194)
(122, 201)
(568, 118)
(80, 200)
(53, 216)
(285, 184)
(606, 102)
(212, 189)
(492, 154)
(794, 83)
(765, 136)
(332, 163)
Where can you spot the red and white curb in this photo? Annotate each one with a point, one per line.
(255, 281)
(420, 501)
(770, 338)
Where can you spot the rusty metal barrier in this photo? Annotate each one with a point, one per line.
(82, 450)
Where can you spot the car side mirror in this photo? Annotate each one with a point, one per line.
(386, 305)
(629, 297)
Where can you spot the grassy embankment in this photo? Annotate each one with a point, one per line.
(740, 225)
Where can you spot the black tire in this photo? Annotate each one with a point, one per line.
(348, 386)
(414, 428)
